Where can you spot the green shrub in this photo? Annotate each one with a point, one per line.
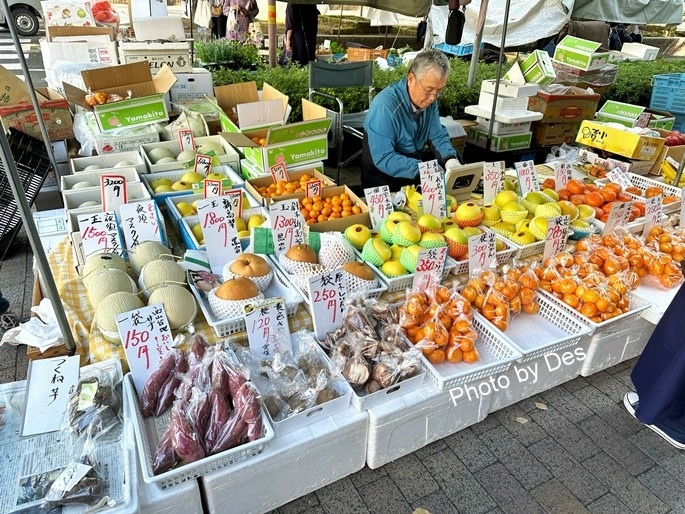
(633, 83)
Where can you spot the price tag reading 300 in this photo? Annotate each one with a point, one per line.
(482, 252)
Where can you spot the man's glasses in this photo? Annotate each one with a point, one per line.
(429, 91)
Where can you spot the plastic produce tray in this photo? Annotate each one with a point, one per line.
(668, 92)
(643, 183)
(175, 175)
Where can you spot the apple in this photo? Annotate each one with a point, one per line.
(510, 184)
(160, 182)
(473, 231)
(447, 223)
(255, 220)
(585, 212)
(376, 251)
(491, 213)
(192, 177)
(568, 209)
(428, 222)
(409, 257)
(197, 232)
(535, 197)
(396, 251)
(468, 215)
(500, 245)
(357, 235)
(581, 224)
(432, 240)
(451, 203)
(393, 268)
(513, 212)
(522, 225)
(398, 216)
(185, 209)
(163, 189)
(181, 186)
(406, 234)
(388, 229)
(243, 233)
(523, 238)
(504, 197)
(538, 227)
(216, 176)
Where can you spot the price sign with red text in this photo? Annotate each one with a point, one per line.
(313, 188)
(430, 265)
(217, 220)
(562, 174)
(652, 213)
(618, 176)
(616, 164)
(279, 173)
(528, 178)
(287, 225)
(618, 216)
(380, 204)
(235, 196)
(267, 328)
(203, 164)
(211, 188)
(493, 180)
(141, 221)
(186, 140)
(146, 338)
(112, 191)
(482, 252)
(433, 192)
(555, 238)
(100, 233)
(327, 297)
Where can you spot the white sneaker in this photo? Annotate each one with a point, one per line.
(669, 433)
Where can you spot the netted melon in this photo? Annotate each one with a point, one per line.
(102, 260)
(105, 281)
(179, 304)
(158, 272)
(108, 309)
(145, 252)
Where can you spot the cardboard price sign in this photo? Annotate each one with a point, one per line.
(327, 298)
(313, 188)
(100, 233)
(528, 179)
(211, 188)
(279, 173)
(380, 204)
(430, 265)
(562, 174)
(287, 225)
(617, 176)
(493, 180)
(652, 213)
(235, 196)
(186, 140)
(482, 252)
(267, 328)
(146, 337)
(433, 192)
(112, 191)
(555, 239)
(140, 222)
(618, 216)
(218, 227)
(203, 164)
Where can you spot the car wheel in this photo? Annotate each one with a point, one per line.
(25, 21)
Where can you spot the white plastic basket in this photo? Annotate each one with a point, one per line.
(643, 183)
(496, 356)
(279, 288)
(148, 431)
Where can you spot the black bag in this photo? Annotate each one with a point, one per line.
(421, 31)
(455, 27)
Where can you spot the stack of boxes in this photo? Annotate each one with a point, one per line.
(582, 63)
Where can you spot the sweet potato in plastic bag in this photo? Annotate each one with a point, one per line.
(255, 431)
(231, 434)
(197, 349)
(166, 395)
(185, 440)
(246, 403)
(149, 396)
(218, 416)
(165, 456)
(197, 412)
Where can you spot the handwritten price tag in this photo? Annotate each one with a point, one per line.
(327, 297)
(652, 213)
(146, 337)
(433, 189)
(218, 227)
(618, 216)
(616, 164)
(313, 188)
(617, 176)
(279, 173)
(203, 164)
(267, 328)
(493, 180)
(112, 191)
(555, 239)
(140, 222)
(100, 233)
(482, 252)
(235, 196)
(287, 225)
(528, 179)
(211, 188)
(186, 140)
(380, 204)
(562, 174)
(430, 265)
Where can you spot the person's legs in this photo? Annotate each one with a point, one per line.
(299, 46)
(672, 431)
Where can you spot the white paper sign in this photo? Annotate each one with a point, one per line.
(430, 265)
(217, 220)
(555, 239)
(617, 176)
(616, 164)
(562, 174)
(100, 233)
(112, 191)
(380, 204)
(528, 179)
(482, 252)
(327, 298)
(493, 180)
(618, 216)
(48, 387)
(140, 222)
(203, 164)
(433, 193)
(287, 225)
(279, 173)
(211, 188)
(682, 204)
(235, 196)
(652, 213)
(313, 188)
(268, 333)
(146, 338)
(186, 140)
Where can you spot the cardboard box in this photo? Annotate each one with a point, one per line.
(641, 51)
(189, 86)
(340, 224)
(673, 153)
(246, 109)
(147, 105)
(167, 28)
(581, 53)
(65, 33)
(549, 134)
(570, 104)
(633, 115)
(508, 89)
(503, 143)
(627, 144)
(174, 55)
(250, 170)
(74, 47)
(251, 185)
(500, 128)
(536, 68)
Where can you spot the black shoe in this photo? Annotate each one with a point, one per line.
(674, 433)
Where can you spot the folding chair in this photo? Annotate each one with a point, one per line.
(338, 76)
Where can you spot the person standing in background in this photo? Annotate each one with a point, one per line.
(239, 15)
(301, 28)
(218, 19)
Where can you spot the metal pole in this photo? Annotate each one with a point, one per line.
(32, 91)
(480, 23)
(273, 34)
(499, 72)
(34, 238)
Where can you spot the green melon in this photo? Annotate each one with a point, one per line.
(100, 261)
(105, 281)
(158, 272)
(108, 309)
(145, 252)
(179, 304)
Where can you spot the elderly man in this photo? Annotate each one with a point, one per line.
(403, 125)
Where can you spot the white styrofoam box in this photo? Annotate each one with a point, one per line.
(59, 150)
(136, 192)
(230, 157)
(291, 466)
(385, 395)
(509, 89)
(195, 84)
(72, 216)
(186, 224)
(410, 422)
(659, 297)
(51, 226)
(504, 105)
(68, 181)
(175, 55)
(644, 52)
(526, 115)
(108, 161)
(176, 215)
(175, 176)
(103, 51)
(503, 128)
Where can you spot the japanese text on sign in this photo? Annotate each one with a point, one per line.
(618, 216)
(203, 164)
(528, 179)
(235, 196)
(313, 188)
(617, 176)
(211, 188)
(652, 212)
(140, 222)
(186, 140)
(433, 189)
(327, 297)
(562, 174)
(430, 265)
(217, 219)
(267, 328)
(482, 252)
(100, 233)
(493, 180)
(287, 225)
(112, 191)
(593, 134)
(379, 203)
(146, 337)
(279, 173)
(555, 239)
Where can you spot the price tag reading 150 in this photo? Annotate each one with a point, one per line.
(482, 252)
(267, 328)
(493, 180)
(528, 179)
(433, 193)
(112, 191)
(327, 298)
(652, 213)
(555, 239)
(430, 265)
(287, 225)
(217, 219)
(380, 204)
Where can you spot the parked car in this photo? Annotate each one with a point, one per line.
(25, 14)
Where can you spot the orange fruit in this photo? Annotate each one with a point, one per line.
(470, 357)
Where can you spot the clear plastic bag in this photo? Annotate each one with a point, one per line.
(95, 404)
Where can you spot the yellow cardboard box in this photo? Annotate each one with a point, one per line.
(620, 142)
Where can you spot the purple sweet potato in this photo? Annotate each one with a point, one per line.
(220, 368)
(246, 403)
(185, 441)
(231, 434)
(197, 413)
(255, 431)
(149, 397)
(219, 412)
(197, 349)
(165, 455)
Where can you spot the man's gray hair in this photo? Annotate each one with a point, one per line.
(430, 60)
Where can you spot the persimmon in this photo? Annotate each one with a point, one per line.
(549, 183)
(634, 190)
(564, 194)
(577, 199)
(575, 186)
(594, 199)
(616, 188)
(652, 191)
(622, 197)
(608, 194)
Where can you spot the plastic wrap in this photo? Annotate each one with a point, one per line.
(94, 405)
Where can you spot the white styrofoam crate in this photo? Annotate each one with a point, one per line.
(231, 157)
(72, 198)
(504, 105)
(176, 175)
(509, 89)
(645, 182)
(172, 201)
(362, 403)
(108, 161)
(68, 181)
(659, 297)
(501, 129)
